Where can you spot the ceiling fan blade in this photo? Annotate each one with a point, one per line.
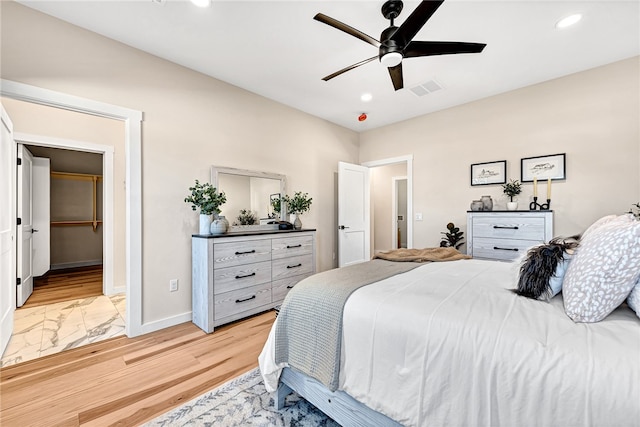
(396, 76)
(349, 68)
(415, 49)
(347, 29)
(410, 27)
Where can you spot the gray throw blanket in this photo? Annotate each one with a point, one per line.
(309, 326)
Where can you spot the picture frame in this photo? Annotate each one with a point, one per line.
(489, 173)
(552, 166)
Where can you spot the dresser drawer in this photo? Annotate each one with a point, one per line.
(282, 287)
(229, 254)
(500, 248)
(241, 276)
(510, 228)
(285, 247)
(293, 266)
(231, 303)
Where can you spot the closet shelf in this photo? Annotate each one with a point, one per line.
(94, 222)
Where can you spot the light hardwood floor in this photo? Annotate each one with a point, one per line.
(64, 285)
(126, 382)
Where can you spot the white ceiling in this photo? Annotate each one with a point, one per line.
(277, 50)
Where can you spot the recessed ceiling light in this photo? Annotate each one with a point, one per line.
(568, 21)
(366, 97)
(201, 3)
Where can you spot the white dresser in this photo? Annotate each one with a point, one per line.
(505, 235)
(237, 275)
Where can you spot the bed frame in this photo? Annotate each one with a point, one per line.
(338, 405)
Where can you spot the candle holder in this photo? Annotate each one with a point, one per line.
(537, 206)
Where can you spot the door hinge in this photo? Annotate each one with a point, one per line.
(19, 161)
(19, 221)
(18, 281)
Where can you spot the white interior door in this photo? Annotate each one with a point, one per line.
(41, 215)
(7, 230)
(25, 227)
(354, 223)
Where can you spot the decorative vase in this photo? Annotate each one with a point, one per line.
(512, 206)
(297, 224)
(476, 205)
(205, 224)
(219, 225)
(487, 203)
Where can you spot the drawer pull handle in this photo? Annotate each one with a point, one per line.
(247, 252)
(246, 299)
(293, 246)
(294, 266)
(505, 249)
(290, 286)
(515, 227)
(246, 275)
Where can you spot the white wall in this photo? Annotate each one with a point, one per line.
(191, 122)
(592, 116)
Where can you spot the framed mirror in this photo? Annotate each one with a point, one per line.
(249, 190)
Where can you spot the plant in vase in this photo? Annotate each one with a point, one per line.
(296, 206)
(452, 238)
(512, 188)
(247, 217)
(207, 198)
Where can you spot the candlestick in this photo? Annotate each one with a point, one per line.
(548, 188)
(535, 186)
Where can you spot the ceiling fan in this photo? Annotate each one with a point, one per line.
(396, 43)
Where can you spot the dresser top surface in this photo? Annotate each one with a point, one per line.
(510, 212)
(250, 233)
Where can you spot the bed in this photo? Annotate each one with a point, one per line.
(449, 344)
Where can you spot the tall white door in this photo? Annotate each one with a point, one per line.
(7, 230)
(25, 226)
(41, 215)
(354, 224)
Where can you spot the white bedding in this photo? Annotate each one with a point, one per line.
(447, 345)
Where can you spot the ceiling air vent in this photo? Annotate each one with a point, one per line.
(426, 88)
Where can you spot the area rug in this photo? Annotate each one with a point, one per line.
(243, 401)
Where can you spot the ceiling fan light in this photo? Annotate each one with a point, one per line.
(201, 3)
(568, 21)
(391, 59)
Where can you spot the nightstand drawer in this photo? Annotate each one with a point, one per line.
(501, 249)
(281, 288)
(509, 228)
(285, 247)
(293, 266)
(241, 276)
(244, 252)
(231, 303)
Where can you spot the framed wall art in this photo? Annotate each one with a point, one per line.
(543, 167)
(489, 173)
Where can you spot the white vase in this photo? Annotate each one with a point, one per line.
(512, 206)
(292, 218)
(219, 225)
(205, 224)
(297, 224)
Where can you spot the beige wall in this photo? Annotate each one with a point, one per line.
(191, 122)
(593, 116)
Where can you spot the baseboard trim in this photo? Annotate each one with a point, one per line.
(66, 265)
(165, 323)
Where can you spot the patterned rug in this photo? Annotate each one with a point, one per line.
(243, 401)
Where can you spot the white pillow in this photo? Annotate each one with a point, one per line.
(634, 298)
(558, 277)
(603, 271)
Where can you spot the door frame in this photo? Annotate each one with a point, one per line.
(133, 181)
(107, 152)
(408, 159)
(394, 211)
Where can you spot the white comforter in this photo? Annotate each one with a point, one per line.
(447, 345)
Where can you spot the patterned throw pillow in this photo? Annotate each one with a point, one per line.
(603, 271)
(634, 298)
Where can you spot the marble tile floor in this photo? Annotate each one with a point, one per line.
(48, 329)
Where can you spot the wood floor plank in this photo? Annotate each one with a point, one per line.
(65, 285)
(127, 381)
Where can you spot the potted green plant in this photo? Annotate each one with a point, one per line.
(247, 217)
(452, 238)
(511, 189)
(208, 200)
(296, 206)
